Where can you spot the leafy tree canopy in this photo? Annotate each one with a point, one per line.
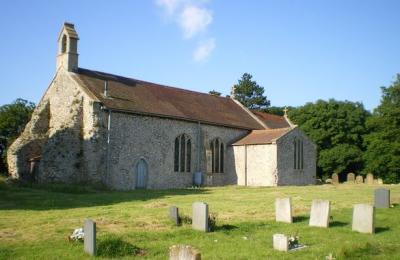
(249, 93)
(13, 118)
(337, 127)
(383, 141)
(214, 92)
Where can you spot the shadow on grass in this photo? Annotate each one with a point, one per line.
(381, 229)
(37, 197)
(226, 227)
(337, 224)
(298, 219)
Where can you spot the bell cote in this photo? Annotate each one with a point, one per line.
(67, 57)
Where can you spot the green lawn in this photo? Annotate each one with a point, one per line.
(35, 222)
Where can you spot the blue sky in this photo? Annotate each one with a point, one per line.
(299, 51)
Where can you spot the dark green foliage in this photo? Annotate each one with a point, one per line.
(383, 154)
(212, 222)
(214, 92)
(337, 127)
(249, 93)
(113, 246)
(279, 111)
(13, 118)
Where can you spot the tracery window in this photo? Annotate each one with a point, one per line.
(217, 155)
(298, 160)
(183, 153)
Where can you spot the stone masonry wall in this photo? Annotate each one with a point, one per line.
(133, 137)
(64, 134)
(287, 175)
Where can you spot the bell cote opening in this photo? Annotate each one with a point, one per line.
(67, 57)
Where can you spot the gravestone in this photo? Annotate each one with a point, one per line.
(350, 177)
(89, 230)
(283, 210)
(319, 216)
(370, 179)
(280, 242)
(382, 198)
(183, 252)
(380, 181)
(200, 216)
(174, 215)
(335, 178)
(359, 179)
(363, 218)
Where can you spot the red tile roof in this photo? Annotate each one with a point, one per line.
(272, 121)
(266, 136)
(136, 96)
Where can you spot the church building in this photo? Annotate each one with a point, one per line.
(96, 128)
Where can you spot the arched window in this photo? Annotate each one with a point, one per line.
(298, 160)
(183, 153)
(64, 44)
(217, 155)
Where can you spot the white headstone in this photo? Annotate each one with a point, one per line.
(280, 242)
(319, 216)
(283, 210)
(89, 230)
(363, 218)
(200, 216)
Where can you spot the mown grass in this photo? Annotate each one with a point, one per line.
(35, 222)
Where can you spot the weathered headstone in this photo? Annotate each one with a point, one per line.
(89, 230)
(382, 198)
(319, 216)
(370, 179)
(359, 179)
(174, 215)
(363, 218)
(184, 252)
(200, 216)
(351, 177)
(280, 242)
(380, 181)
(335, 178)
(283, 210)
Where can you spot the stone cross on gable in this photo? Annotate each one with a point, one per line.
(285, 110)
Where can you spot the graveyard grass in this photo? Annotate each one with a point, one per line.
(36, 220)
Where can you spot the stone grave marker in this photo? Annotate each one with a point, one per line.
(319, 216)
(283, 210)
(380, 181)
(184, 252)
(359, 179)
(280, 242)
(335, 178)
(351, 177)
(174, 215)
(89, 230)
(370, 179)
(382, 198)
(200, 216)
(363, 218)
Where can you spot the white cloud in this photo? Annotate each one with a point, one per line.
(194, 20)
(170, 6)
(204, 50)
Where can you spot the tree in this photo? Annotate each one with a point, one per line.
(214, 92)
(279, 111)
(13, 118)
(249, 93)
(337, 127)
(383, 141)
